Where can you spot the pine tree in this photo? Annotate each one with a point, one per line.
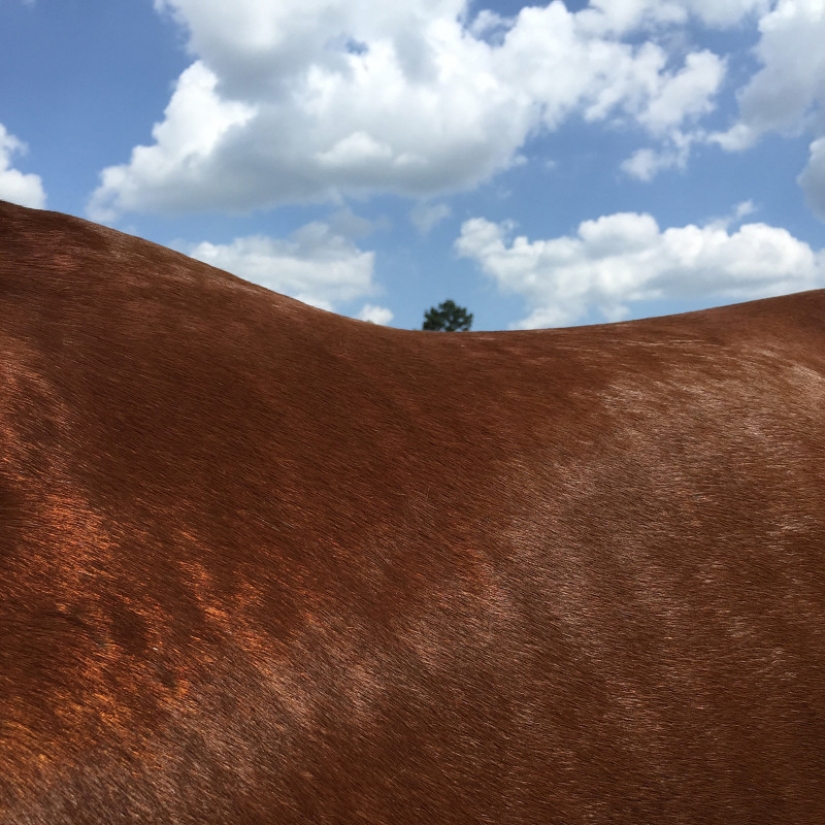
(447, 317)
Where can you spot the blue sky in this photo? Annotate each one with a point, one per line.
(542, 165)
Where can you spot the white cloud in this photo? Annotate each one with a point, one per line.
(15, 186)
(792, 78)
(736, 139)
(622, 16)
(787, 95)
(624, 258)
(315, 265)
(740, 211)
(686, 94)
(425, 216)
(646, 163)
(725, 13)
(743, 209)
(812, 180)
(375, 314)
(490, 23)
(305, 100)
(182, 159)
(680, 98)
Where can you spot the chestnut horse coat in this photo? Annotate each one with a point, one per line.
(263, 564)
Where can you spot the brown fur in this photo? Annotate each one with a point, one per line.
(264, 564)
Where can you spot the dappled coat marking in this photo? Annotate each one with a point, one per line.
(263, 564)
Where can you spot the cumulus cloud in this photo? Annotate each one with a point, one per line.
(791, 81)
(15, 186)
(314, 265)
(680, 99)
(624, 258)
(305, 100)
(375, 314)
(162, 176)
(787, 95)
(685, 94)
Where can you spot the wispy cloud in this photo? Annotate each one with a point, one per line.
(425, 216)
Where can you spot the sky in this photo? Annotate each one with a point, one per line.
(541, 165)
